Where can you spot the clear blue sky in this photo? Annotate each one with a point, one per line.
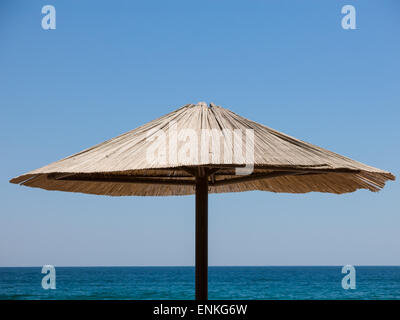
(112, 66)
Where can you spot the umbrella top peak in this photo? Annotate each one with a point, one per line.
(202, 104)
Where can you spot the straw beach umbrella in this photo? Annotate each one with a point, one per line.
(200, 149)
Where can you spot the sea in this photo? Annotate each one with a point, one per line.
(266, 283)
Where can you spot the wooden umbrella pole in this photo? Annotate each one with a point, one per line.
(202, 236)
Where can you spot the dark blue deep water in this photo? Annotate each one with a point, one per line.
(178, 283)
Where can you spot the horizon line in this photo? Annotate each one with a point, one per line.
(192, 266)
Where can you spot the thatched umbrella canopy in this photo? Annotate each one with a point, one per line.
(167, 156)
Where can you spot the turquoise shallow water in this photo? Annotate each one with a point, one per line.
(178, 283)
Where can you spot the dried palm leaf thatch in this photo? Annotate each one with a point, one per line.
(122, 167)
